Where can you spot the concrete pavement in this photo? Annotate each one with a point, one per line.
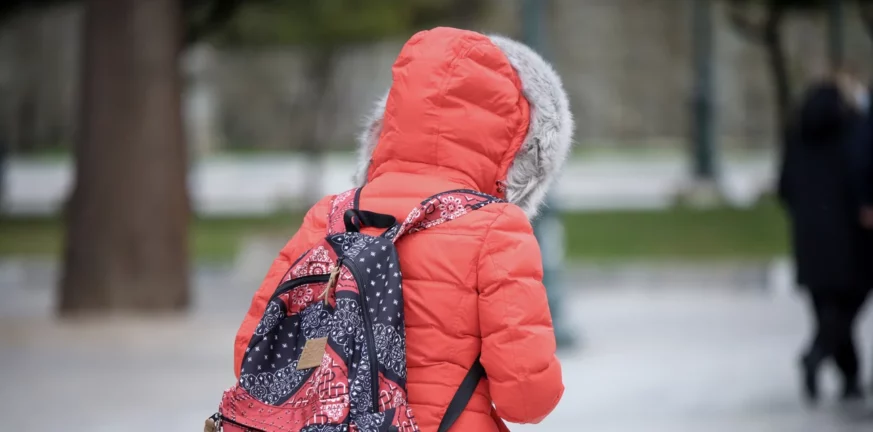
(667, 359)
(680, 360)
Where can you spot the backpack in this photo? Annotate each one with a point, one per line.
(329, 353)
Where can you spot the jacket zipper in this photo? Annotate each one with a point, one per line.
(371, 340)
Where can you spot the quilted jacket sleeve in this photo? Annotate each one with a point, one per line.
(518, 342)
(314, 228)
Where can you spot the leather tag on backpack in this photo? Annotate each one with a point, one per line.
(312, 353)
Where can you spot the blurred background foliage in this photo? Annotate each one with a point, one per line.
(283, 78)
(317, 23)
(680, 233)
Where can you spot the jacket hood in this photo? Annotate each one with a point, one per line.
(483, 111)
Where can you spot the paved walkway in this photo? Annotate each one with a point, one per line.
(264, 184)
(666, 359)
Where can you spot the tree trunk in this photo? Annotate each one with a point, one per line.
(865, 10)
(127, 217)
(776, 59)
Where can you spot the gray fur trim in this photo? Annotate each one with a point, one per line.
(549, 137)
(368, 138)
(550, 134)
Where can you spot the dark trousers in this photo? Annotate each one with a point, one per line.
(836, 311)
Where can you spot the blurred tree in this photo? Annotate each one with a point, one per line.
(760, 22)
(766, 30)
(865, 8)
(127, 217)
(322, 28)
(128, 213)
(200, 17)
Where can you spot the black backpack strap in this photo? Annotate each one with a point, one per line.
(462, 396)
(355, 219)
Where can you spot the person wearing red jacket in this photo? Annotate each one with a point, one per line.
(465, 111)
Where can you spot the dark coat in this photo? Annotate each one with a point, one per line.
(819, 187)
(862, 158)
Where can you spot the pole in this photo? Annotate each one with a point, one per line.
(835, 32)
(3, 183)
(703, 133)
(548, 227)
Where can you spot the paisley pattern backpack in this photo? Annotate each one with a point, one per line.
(329, 354)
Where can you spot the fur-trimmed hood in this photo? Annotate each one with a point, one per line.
(484, 111)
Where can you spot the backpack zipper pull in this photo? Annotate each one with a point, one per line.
(331, 282)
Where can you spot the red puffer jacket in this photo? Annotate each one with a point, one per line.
(465, 111)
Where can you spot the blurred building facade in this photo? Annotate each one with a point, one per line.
(626, 64)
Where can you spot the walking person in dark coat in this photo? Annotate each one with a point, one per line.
(819, 189)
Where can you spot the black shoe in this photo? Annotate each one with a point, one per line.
(810, 379)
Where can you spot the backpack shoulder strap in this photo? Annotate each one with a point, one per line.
(441, 208)
(433, 211)
(345, 215)
(462, 396)
(342, 203)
